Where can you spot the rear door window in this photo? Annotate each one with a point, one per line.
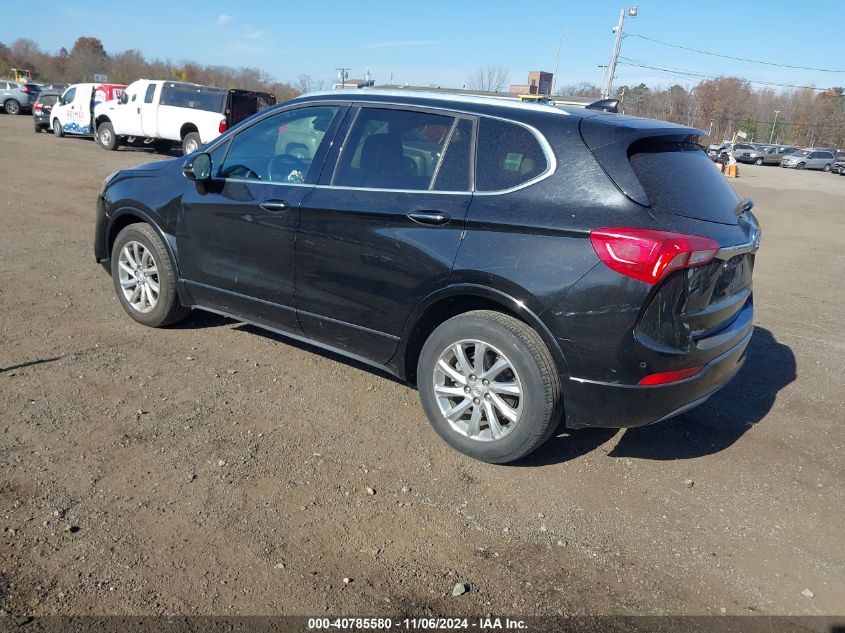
(148, 95)
(392, 149)
(456, 165)
(507, 156)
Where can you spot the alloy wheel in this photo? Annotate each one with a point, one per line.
(138, 275)
(478, 390)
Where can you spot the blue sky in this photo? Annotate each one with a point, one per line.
(442, 42)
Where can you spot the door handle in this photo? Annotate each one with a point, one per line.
(275, 206)
(429, 217)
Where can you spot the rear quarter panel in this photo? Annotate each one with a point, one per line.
(172, 118)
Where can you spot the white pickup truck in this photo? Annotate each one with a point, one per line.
(164, 112)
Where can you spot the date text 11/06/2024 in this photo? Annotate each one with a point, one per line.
(487, 623)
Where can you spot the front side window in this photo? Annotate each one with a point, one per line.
(508, 155)
(392, 149)
(280, 148)
(69, 96)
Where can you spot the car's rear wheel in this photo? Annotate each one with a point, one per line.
(191, 143)
(12, 107)
(758, 161)
(106, 137)
(489, 386)
(58, 132)
(826, 167)
(144, 277)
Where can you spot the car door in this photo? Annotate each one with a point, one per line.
(381, 230)
(62, 110)
(236, 234)
(149, 111)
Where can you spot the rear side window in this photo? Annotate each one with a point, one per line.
(148, 96)
(392, 149)
(678, 178)
(508, 155)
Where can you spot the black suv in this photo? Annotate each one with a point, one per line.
(521, 264)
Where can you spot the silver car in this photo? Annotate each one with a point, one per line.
(770, 155)
(16, 97)
(810, 159)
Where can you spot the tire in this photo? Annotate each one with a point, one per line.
(12, 107)
(826, 167)
(58, 132)
(148, 308)
(800, 166)
(37, 130)
(191, 143)
(106, 137)
(530, 371)
(759, 162)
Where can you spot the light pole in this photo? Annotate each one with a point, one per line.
(774, 123)
(617, 45)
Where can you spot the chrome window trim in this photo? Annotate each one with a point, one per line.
(551, 159)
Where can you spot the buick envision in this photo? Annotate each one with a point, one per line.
(521, 264)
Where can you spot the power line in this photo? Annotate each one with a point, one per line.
(694, 73)
(741, 59)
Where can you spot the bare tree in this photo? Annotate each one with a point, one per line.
(489, 78)
(306, 83)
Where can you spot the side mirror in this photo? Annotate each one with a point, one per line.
(198, 168)
(123, 99)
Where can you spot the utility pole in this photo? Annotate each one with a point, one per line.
(617, 46)
(774, 123)
(343, 74)
(557, 62)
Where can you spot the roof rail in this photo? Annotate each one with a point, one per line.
(605, 105)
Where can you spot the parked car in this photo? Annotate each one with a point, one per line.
(839, 164)
(809, 159)
(715, 150)
(74, 111)
(42, 107)
(442, 239)
(769, 155)
(16, 97)
(172, 111)
(742, 151)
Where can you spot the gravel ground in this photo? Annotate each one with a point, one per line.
(212, 468)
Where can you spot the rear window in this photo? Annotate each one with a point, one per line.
(48, 99)
(195, 97)
(678, 178)
(508, 155)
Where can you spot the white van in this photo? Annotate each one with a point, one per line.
(74, 110)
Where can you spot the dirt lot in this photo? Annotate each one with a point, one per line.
(215, 469)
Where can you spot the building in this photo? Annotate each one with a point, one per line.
(539, 83)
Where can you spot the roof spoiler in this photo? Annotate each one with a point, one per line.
(604, 105)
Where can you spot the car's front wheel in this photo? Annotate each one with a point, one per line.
(758, 161)
(106, 136)
(800, 166)
(58, 132)
(826, 167)
(489, 386)
(145, 278)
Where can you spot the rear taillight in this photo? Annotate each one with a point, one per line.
(649, 255)
(26, 90)
(670, 376)
(223, 126)
(37, 108)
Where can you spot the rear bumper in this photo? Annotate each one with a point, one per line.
(599, 404)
